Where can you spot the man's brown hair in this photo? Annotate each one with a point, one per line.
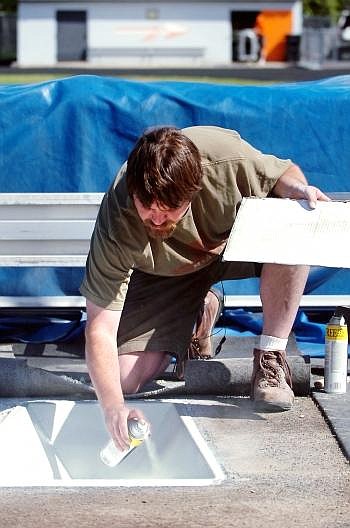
(164, 167)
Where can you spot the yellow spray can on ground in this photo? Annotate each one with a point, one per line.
(138, 431)
(336, 355)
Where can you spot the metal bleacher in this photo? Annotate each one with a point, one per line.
(54, 229)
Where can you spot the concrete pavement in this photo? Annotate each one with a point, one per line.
(283, 470)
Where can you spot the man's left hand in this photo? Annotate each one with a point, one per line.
(312, 195)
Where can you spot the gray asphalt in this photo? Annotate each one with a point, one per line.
(280, 72)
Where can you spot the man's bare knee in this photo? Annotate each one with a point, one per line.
(130, 386)
(139, 368)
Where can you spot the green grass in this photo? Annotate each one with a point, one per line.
(29, 78)
(23, 78)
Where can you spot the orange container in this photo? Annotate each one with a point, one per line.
(274, 26)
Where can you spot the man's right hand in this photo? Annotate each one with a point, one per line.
(103, 364)
(117, 423)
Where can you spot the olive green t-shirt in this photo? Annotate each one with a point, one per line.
(232, 169)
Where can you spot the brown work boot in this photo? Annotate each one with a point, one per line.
(201, 346)
(271, 387)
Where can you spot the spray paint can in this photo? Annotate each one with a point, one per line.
(138, 430)
(336, 355)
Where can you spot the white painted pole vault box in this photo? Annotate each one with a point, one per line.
(285, 231)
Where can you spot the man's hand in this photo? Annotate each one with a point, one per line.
(312, 194)
(116, 420)
(103, 363)
(293, 184)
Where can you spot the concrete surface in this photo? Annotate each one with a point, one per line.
(283, 470)
(336, 410)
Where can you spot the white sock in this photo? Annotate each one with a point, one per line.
(272, 343)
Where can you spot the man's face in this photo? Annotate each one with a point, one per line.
(160, 222)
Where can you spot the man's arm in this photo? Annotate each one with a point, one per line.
(293, 184)
(102, 361)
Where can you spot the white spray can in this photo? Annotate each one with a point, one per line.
(138, 431)
(336, 355)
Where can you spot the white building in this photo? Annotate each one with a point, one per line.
(161, 32)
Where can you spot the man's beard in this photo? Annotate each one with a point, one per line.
(161, 232)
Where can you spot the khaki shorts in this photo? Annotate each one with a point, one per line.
(160, 312)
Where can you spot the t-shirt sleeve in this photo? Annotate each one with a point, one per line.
(257, 172)
(109, 263)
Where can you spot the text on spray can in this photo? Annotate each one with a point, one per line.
(336, 355)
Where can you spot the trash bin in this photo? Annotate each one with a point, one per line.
(293, 48)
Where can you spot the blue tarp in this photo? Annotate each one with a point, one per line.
(73, 134)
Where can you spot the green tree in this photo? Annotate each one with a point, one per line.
(330, 8)
(8, 6)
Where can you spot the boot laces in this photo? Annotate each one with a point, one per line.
(194, 348)
(271, 364)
